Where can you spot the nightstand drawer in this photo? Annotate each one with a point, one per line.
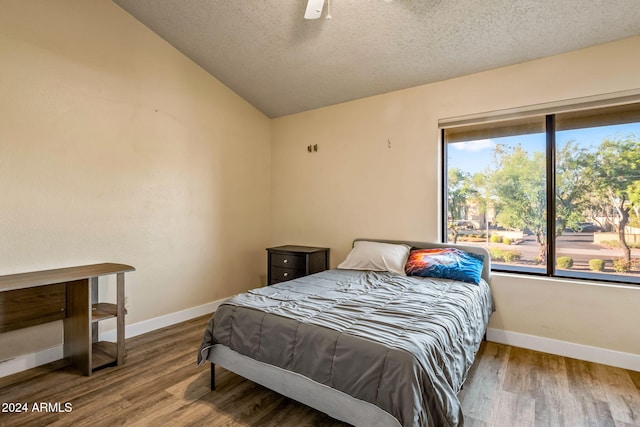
(288, 261)
(281, 274)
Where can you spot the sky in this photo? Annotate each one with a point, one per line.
(475, 156)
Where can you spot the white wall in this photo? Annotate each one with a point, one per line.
(377, 174)
(114, 147)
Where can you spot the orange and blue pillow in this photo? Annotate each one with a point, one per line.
(446, 263)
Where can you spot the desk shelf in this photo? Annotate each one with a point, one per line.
(103, 310)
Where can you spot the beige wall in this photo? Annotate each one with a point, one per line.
(116, 148)
(376, 174)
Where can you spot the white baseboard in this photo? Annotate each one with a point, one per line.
(32, 360)
(145, 326)
(567, 349)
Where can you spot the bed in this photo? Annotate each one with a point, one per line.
(365, 342)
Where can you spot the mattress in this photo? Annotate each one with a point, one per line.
(404, 344)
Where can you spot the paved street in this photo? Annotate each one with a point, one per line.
(578, 246)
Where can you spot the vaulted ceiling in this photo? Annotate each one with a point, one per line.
(265, 51)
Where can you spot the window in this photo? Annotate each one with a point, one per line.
(551, 194)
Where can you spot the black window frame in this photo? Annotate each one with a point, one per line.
(550, 268)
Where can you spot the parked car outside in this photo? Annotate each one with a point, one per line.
(587, 227)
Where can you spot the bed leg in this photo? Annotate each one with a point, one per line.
(213, 376)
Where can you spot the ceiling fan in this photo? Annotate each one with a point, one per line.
(314, 9)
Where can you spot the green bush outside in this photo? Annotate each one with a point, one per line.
(621, 265)
(564, 262)
(504, 255)
(511, 256)
(596, 264)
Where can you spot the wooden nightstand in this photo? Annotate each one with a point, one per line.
(290, 262)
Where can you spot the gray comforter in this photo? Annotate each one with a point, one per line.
(402, 343)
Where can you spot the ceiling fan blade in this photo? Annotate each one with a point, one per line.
(314, 9)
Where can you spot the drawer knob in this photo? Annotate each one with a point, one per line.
(285, 261)
(285, 274)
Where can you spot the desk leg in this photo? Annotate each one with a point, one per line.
(120, 319)
(77, 326)
(94, 300)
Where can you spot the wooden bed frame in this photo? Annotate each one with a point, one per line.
(334, 403)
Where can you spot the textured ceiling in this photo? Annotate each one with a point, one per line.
(265, 51)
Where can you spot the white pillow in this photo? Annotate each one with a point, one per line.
(376, 256)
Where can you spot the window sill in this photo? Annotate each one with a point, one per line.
(565, 280)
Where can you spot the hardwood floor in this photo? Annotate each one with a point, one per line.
(510, 386)
(161, 385)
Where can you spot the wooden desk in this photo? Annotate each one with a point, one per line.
(68, 294)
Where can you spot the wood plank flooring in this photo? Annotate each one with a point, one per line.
(160, 384)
